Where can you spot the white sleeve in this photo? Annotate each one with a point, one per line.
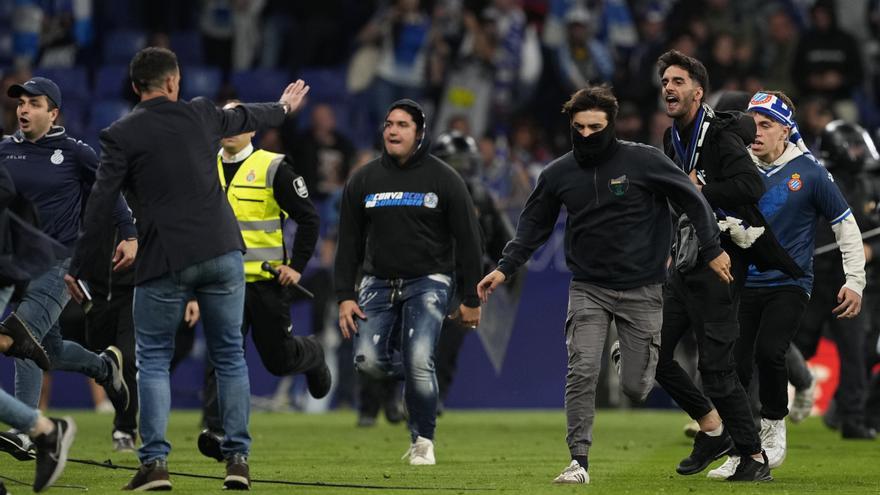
(849, 239)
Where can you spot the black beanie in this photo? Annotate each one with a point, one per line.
(413, 109)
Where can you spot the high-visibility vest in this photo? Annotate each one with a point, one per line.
(259, 216)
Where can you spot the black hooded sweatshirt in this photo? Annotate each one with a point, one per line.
(618, 233)
(409, 220)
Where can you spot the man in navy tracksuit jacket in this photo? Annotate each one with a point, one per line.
(56, 172)
(617, 242)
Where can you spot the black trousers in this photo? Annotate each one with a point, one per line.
(267, 311)
(768, 319)
(849, 336)
(700, 301)
(451, 339)
(111, 323)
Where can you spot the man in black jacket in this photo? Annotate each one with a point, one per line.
(617, 241)
(408, 222)
(165, 152)
(711, 148)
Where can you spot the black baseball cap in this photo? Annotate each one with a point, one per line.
(37, 86)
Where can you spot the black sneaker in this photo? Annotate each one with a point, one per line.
(752, 470)
(706, 450)
(319, 379)
(114, 384)
(18, 445)
(152, 476)
(238, 475)
(365, 421)
(856, 430)
(209, 444)
(52, 451)
(24, 344)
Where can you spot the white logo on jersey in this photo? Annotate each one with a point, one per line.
(57, 158)
(431, 200)
(299, 185)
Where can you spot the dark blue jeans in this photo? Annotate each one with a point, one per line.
(404, 315)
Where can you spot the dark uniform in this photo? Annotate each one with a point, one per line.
(264, 190)
(839, 154)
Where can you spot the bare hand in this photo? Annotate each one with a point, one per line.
(294, 95)
(850, 303)
(348, 309)
(488, 285)
(721, 266)
(191, 314)
(693, 177)
(73, 288)
(869, 253)
(467, 316)
(125, 254)
(287, 275)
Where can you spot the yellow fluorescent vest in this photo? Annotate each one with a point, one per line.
(259, 217)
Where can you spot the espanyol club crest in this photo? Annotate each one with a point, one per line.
(795, 183)
(760, 99)
(299, 185)
(57, 158)
(431, 200)
(251, 176)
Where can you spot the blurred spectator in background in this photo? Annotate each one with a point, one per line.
(517, 57)
(469, 83)
(828, 61)
(815, 114)
(215, 24)
(630, 126)
(774, 60)
(527, 156)
(724, 69)
(582, 59)
(321, 154)
(402, 33)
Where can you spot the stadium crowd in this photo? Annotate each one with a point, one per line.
(486, 79)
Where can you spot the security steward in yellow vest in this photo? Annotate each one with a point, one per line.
(264, 191)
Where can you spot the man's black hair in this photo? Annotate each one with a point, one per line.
(694, 68)
(150, 66)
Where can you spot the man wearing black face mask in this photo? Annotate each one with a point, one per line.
(617, 240)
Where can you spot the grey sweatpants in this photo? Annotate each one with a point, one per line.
(638, 314)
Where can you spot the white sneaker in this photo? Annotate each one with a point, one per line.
(421, 453)
(574, 474)
(615, 355)
(802, 404)
(773, 440)
(725, 470)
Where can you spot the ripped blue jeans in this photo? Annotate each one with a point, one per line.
(397, 341)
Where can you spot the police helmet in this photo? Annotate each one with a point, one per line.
(847, 147)
(458, 150)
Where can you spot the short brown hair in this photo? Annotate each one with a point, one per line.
(694, 68)
(592, 98)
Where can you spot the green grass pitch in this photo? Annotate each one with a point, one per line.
(479, 452)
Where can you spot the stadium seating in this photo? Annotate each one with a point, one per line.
(121, 45)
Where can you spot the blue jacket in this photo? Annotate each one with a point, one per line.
(56, 174)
